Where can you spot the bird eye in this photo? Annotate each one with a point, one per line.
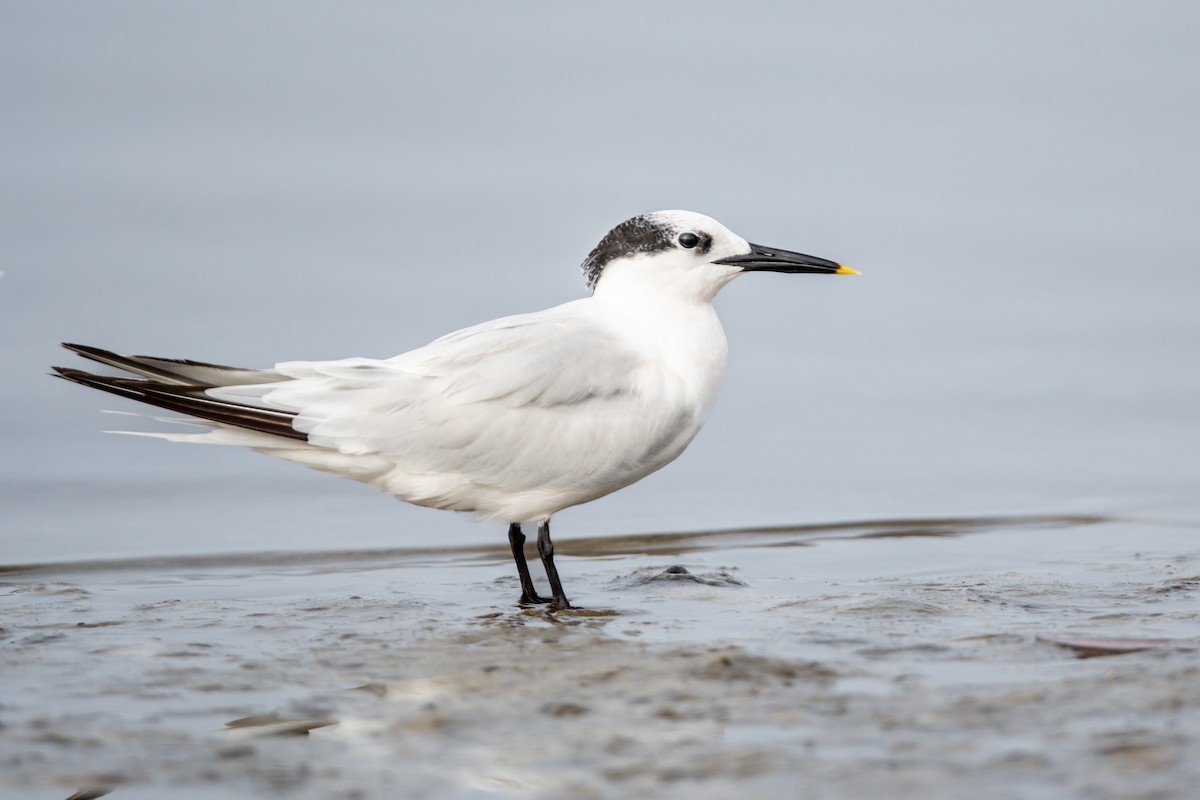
(688, 240)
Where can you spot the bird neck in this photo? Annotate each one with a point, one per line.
(681, 336)
(648, 307)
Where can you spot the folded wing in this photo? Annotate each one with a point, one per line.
(544, 407)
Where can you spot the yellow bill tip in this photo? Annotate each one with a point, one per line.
(844, 270)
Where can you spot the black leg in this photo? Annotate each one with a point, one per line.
(546, 549)
(516, 540)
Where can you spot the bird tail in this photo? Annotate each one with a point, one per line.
(182, 386)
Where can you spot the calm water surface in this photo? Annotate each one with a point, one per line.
(321, 184)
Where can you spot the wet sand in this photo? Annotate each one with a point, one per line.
(899, 659)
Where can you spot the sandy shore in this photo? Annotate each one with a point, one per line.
(876, 659)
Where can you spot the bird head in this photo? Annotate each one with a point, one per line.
(687, 255)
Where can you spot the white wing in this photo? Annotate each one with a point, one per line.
(518, 416)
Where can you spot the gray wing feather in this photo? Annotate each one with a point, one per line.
(174, 371)
(487, 403)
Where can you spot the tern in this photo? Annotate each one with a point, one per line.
(513, 419)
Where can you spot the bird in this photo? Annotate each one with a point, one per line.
(514, 419)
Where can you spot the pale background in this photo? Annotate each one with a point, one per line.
(245, 184)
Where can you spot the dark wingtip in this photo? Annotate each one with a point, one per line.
(94, 380)
(75, 376)
(188, 400)
(87, 351)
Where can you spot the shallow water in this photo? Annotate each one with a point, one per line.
(898, 658)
